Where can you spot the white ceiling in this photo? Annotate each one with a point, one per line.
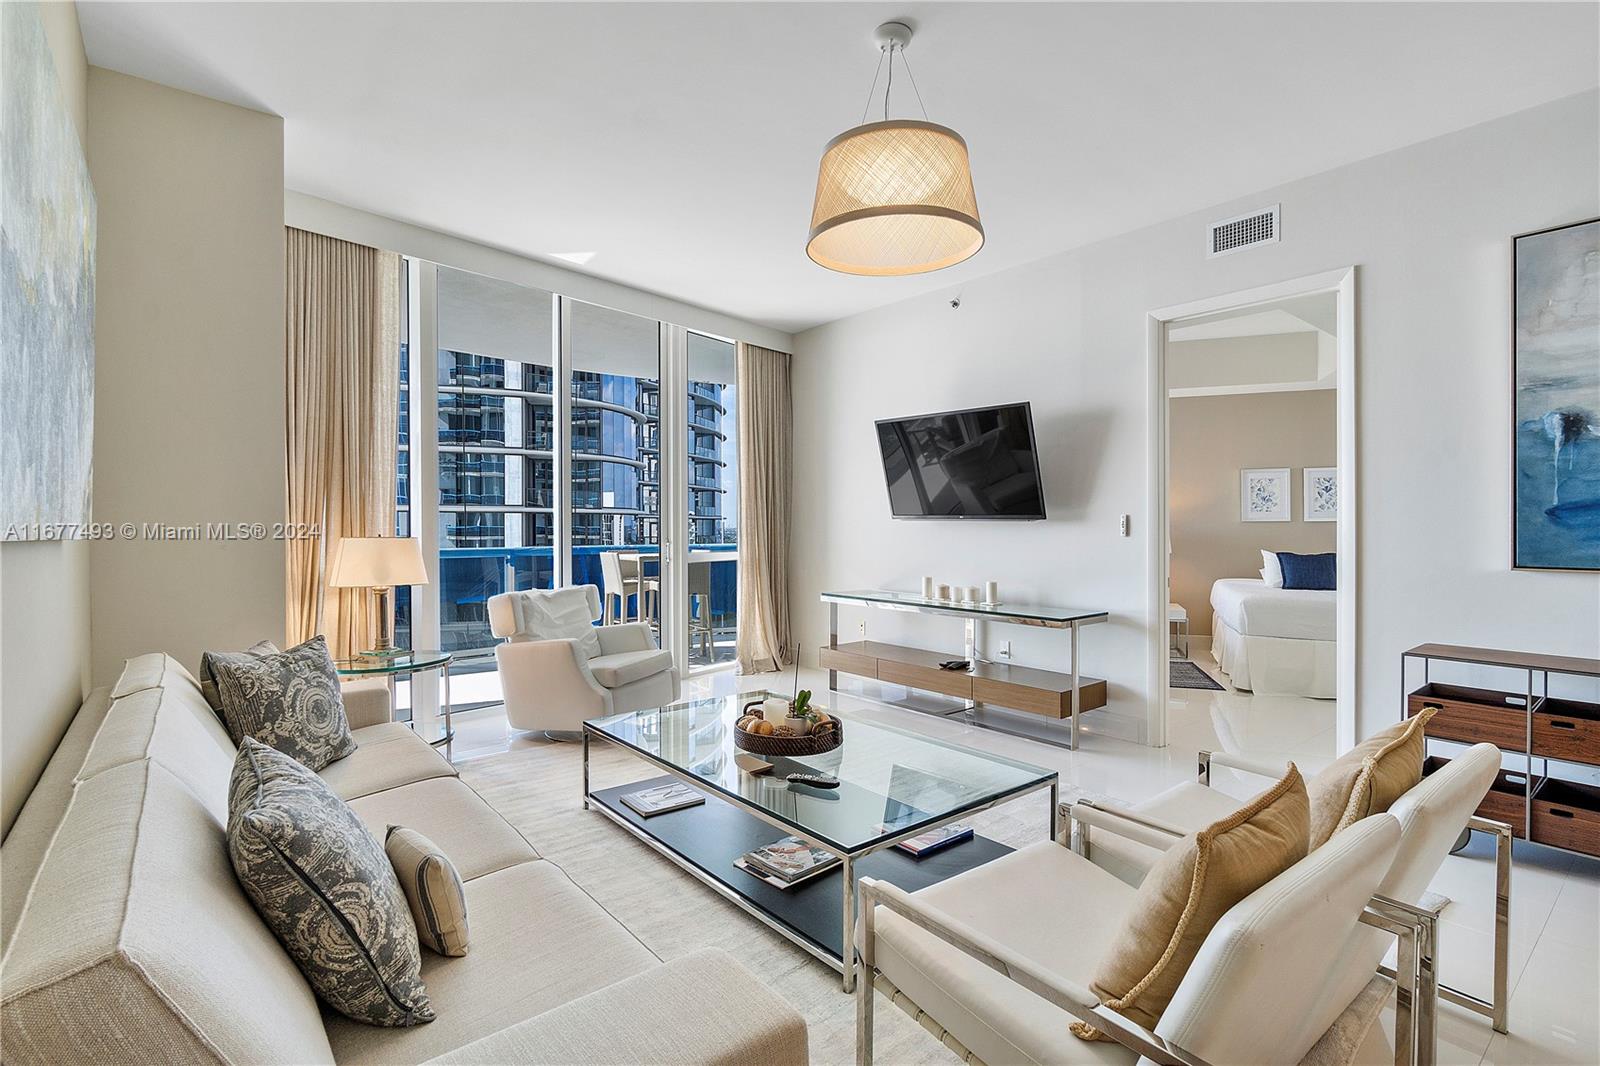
(678, 143)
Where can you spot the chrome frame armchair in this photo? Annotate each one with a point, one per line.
(1407, 924)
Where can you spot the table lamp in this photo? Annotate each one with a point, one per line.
(378, 563)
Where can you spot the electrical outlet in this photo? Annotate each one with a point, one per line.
(861, 627)
(1005, 649)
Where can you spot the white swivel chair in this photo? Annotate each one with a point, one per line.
(997, 961)
(557, 669)
(1432, 815)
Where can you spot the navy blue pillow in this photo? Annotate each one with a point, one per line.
(1308, 571)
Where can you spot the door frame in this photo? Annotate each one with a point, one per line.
(1341, 283)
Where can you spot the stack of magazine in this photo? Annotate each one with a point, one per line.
(787, 862)
(663, 798)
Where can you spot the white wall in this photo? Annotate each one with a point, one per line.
(1428, 227)
(44, 585)
(189, 380)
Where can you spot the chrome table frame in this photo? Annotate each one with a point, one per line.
(848, 858)
(969, 652)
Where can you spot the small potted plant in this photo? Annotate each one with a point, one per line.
(800, 713)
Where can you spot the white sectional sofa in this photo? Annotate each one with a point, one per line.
(127, 938)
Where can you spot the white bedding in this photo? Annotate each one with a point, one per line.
(1250, 608)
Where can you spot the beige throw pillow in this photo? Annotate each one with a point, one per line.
(433, 890)
(1188, 891)
(1368, 778)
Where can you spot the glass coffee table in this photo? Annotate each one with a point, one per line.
(894, 785)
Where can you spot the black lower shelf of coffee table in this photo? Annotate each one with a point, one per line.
(712, 835)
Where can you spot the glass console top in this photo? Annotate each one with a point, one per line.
(913, 600)
(391, 664)
(890, 780)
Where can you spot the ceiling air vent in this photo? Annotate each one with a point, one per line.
(1244, 231)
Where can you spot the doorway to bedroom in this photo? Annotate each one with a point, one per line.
(1250, 481)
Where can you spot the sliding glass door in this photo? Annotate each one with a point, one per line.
(712, 473)
(615, 423)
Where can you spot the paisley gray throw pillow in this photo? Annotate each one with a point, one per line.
(289, 700)
(325, 887)
(208, 668)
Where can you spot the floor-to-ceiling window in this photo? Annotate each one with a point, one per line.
(541, 427)
(712, 457)
(615, 426)
(494, 378)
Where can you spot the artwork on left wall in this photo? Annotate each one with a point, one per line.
(47, 249)
(1556, 410)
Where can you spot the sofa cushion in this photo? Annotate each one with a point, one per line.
(643, 1019)
(289, 701)
(325, 887)
(986, 1011)
(1187, 892)
(136, 911)
(386, 756)
(614, 671)
(537, 941)
(469, 831)
(149, 671)
(172, 725)
(35, 824)
(1367, 779)
(208, 669)
(433, 890)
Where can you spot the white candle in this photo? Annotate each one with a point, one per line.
(927, 588)
(943, 593)
(972, 594)
(991, 592)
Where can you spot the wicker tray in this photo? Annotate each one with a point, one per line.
(791, 746)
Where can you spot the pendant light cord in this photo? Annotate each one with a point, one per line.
(889, 87)
(872, 91)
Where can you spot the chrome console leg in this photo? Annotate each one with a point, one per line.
(833, 642)
(585, 769)
(1055, 805)
(1076, 694)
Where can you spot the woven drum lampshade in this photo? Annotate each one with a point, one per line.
(894, 198)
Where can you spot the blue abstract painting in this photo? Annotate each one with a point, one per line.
(47, 248)
(1557, 410)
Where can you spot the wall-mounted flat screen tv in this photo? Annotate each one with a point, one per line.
(979, 463)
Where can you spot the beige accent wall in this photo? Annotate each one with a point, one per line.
(1213, 438)
(44, 585)
(189, 410)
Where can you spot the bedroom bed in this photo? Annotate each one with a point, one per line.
(1272, 640)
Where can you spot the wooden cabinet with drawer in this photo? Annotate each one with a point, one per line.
(1567, 814)
(1473, 715)
(1567, 730)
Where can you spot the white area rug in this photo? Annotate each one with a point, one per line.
(538, 788)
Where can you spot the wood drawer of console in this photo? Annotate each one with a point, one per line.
(1473, 715)
(1567, 815)
(930, 678)
(851, 662)
(1568, 730)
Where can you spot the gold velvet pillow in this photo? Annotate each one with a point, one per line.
(1368, 778)
(432, 889)
(1188, 890)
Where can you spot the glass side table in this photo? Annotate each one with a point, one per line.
(389, 667)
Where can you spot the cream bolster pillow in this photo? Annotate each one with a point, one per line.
(433, 890)
(1188, 890)
(324, 886)
(1369, 778)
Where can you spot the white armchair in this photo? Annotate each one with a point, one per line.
(997, 961)
(1431, 815)
(557, 669)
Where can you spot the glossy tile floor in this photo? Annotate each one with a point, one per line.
(1555, 909)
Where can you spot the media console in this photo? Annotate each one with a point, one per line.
(1041, 696)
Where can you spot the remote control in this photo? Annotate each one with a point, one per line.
(814, 780)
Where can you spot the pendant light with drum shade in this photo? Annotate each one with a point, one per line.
(894, 197)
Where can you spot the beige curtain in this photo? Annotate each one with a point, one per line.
(342, 368)
(766, 463)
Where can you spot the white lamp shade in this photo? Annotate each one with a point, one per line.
(377, 562)
(894, 198)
